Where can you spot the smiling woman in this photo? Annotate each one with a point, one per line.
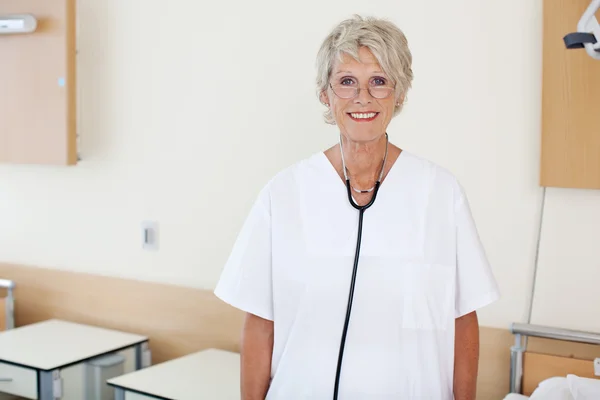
(402, 324)
(364, 70)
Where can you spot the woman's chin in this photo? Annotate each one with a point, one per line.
(364, 135)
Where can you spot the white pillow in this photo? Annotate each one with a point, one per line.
(584, 388)
(555, 388)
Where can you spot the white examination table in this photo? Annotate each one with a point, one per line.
(209, 374)
(33, 357)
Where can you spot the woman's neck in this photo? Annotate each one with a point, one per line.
(364, 159)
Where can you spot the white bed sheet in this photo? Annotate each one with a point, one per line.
(571, 387)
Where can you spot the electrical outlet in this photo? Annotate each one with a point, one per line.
(150, 235)
(597, 367)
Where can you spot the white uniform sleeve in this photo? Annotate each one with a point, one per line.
(245, 281)
(476, 286)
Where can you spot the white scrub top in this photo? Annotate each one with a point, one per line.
(421, 266)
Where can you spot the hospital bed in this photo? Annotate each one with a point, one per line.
(537, 375)
(7, 314)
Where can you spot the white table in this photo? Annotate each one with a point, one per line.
(32, 356)
(209, 374)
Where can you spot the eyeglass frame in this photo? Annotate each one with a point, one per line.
(358, 89)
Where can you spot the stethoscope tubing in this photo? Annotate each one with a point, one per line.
(361, 212)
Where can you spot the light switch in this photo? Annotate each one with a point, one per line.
(150, 235)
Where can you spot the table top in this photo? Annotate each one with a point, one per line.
(56, 343)
(209, 374)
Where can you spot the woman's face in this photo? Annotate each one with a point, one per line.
(364, 117)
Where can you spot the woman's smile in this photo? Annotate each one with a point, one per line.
(363, 116)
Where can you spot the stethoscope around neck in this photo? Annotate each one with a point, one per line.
(361, 210)
(374, 189)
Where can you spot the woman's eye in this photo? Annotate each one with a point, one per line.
(379, 81)
(347, 81)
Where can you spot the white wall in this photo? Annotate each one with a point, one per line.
(567, 284)
(188, 108)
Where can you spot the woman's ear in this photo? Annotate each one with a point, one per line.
(324, 98)
(400, 100)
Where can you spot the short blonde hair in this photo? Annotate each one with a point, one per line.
(384, 39)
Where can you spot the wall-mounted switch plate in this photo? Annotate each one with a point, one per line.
(150, 235)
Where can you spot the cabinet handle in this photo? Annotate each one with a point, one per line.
(5, 379)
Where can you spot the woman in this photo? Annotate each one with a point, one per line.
(407, 327)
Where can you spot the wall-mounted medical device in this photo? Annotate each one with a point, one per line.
(588, 32)
(17, 24)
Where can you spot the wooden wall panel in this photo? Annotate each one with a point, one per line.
(493, 381)
(2, 314)
(570, 153)
(563, 348)
(178, 320)
(38, 85)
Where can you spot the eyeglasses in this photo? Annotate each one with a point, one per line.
(351, 91)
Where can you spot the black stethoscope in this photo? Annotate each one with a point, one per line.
(361, 211)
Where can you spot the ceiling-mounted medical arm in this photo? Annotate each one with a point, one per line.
(588, 32)
(18, 23)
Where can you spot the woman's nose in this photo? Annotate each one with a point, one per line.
(363, 97)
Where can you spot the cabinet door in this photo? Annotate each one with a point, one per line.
(38, 85)
(570, 153)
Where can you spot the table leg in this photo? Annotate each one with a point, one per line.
(50, 385)
(143, 358)
(516, 365)
(119, 394)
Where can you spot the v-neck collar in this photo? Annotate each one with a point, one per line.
(389, 175)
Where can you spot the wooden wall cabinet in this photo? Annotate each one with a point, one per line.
(570, 153)
(38, 85)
